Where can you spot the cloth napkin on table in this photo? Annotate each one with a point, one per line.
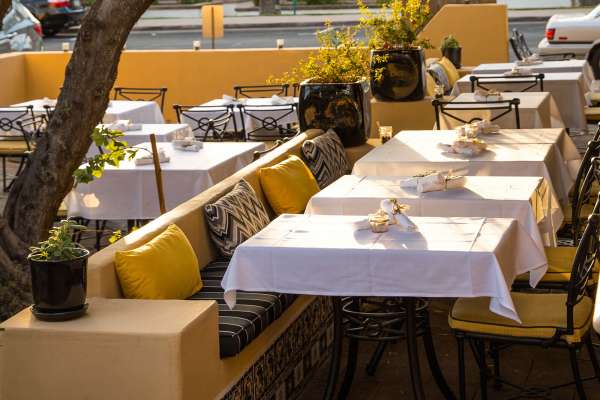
(146, 158)
(188, 144)
(228, 99)
(125, 125)
(400, 219)
(518, 71)
(278, 101)
(445, 183)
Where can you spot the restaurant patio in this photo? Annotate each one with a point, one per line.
(381, 220)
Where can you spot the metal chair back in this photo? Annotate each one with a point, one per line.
(267, 122)
(250, 91)
(529, 81)
(503, 107)
(9, 121)
(141, 94)
(588, 174)
(209, 123)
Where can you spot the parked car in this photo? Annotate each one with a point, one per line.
(571, 33)
(56, 15)
(20, 30)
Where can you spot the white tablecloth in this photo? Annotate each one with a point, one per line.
(141, 112)
(567, 90)
(536, 110)
(548, 153)
(250, 123)
(332, 256)
(129, 192)
(526, 199)
(545, 67)
(163, 132)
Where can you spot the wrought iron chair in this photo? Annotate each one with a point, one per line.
(549, 320)
(250, 91)
(142, 94)
(532, 81)
(521, 48)
(15, 126)
(503, 107)
(267, 122)
(210, 123)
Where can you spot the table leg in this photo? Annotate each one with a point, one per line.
(351, 361)
(334, 366)
(413, 351)
(434, 366)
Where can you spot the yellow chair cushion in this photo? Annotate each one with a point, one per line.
(164, 268)
(18, 147)
(450, 69)
(592, 114)
(430, 85)
(541, 314)
(585, 212)
(288, 185)
(560, 263)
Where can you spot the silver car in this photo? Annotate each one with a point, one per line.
(20, 30)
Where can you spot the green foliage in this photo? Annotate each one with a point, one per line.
(59, 246)
(396, 25)
(449, 42)
(115, 152)
(341, 58)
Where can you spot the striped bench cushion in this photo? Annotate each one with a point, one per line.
(252, 314)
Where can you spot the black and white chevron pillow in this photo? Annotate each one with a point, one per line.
(326, 158)
(235, 217)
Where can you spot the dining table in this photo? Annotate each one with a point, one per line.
(573, 65)
(536, 110)
(568, 90)
(547, 153)
(129, 191)
(139, 112)
(528, 200)
(339, 256)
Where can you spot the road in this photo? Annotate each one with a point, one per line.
(249, 38)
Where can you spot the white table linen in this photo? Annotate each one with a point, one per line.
(548, 153)
(163, 133)
(129, 191)
(545, 67)
(567, 90)
(536, 110)
(333, 255)
(275, 111)
(139, 112)
(529, 200)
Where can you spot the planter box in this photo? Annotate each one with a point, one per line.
(403, 75)
(454, 55)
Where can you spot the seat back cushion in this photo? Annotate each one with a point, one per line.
(288, 185)
(439, 75)
(326, 158)
(164, 268)
(450, 69)
(235, 217)
(430, 85)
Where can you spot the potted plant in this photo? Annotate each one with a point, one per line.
(397, 57)
(334, 88)
(58, 274)
(451, 50)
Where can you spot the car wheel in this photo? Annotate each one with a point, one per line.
(49, 32)
(594, 60)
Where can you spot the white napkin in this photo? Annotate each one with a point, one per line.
(278, 101)
(410, 182)
(48, 102)
(487, 95)
(528, 61)
(446, 183)
(145, 158)
(518, 71)
(428, 182)
(387, 206)
(189, 144)
(125, 125)
(405, 223)
(228, 99)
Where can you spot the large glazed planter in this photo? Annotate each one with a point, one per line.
(59, 287)
(343, 107)
(403, 74)
(453, 54)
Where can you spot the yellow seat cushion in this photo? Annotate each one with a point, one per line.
(585, 212)
(541, 314)
(430, 85)
(450, 69)
(11, 147)
(592, 114)
(164, 268)
(560, 263)
(288, 185)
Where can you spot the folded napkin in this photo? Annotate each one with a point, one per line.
(184, 132)
(188, 144)
(228, 99)
(441, 183)
(518, 71)
(405, 223)
(487, 95)
(464, 146)
(48, 102)
(145, 158)
(278, 101)
(125, 125)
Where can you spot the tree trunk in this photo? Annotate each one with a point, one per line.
(48, 177)
(4, 6)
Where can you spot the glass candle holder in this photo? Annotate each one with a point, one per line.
(385, 133)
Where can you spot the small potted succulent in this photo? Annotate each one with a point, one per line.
(58, 274)
(451, 50)
(334, 88)
(397, 57)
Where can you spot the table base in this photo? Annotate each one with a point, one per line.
(383, 320)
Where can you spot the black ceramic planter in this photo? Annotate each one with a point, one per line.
(343, 107)
(403, 75)
(59, 287)
(454, 55)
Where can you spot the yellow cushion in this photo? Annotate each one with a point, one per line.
(430, 85)
(560, 263)
(592, 114)
(164, 268)
(541, 314)
(13, 147)
(288, 185)
(585, 212)
(450, 69)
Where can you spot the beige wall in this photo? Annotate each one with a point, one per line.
(12, 79)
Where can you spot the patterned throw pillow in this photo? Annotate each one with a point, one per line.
(441, 78)
(235, 217)
(326, 158)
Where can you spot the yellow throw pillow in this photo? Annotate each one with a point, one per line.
(430, 85)
(164, 268)
(288, 185)
(450, 69)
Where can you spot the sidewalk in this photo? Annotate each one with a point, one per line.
(190, 18)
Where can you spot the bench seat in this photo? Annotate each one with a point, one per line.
(252, 314)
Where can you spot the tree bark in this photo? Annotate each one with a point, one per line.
(38, 191)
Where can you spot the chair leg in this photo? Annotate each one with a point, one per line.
(576, 373)
(592, 352)
(4, 173)
(100, 226)
(376, 358)
(480, 344)
(460, 340)
(495, 353)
